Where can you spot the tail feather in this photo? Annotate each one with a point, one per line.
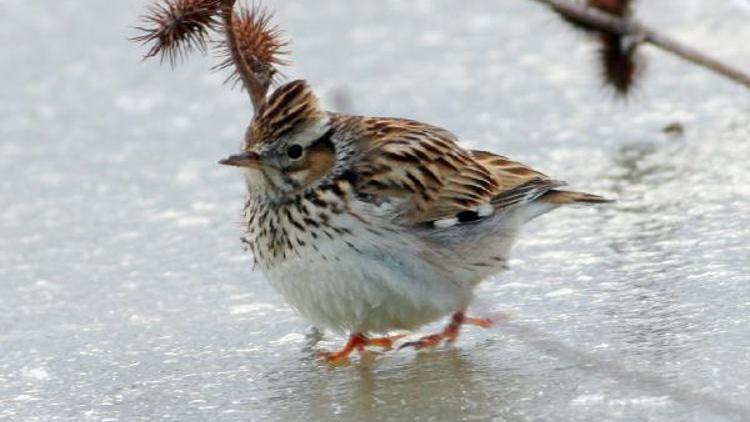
(554, 198)
(561, 197)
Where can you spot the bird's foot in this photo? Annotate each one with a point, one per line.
(359, 343)
(425, 342)
(484, 322)
(450, 333)
(385, 342)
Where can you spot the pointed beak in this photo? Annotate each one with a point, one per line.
(245, 159)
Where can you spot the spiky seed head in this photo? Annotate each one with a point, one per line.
(175, 28)
(620, 63)
(618, 58)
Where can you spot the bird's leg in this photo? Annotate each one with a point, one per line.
(450, 332)
(358, 342)
(385, 342)
(481, 322)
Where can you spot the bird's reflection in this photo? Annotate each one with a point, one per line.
(443, 384)
(487, 380)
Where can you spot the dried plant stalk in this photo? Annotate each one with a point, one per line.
(253, 48)
(593, 19)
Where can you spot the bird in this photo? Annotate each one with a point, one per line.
(370, 225)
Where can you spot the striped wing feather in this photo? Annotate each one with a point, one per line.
(432, 178)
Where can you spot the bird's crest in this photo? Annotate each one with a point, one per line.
(292, 110)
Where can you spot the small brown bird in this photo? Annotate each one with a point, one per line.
(367, 225)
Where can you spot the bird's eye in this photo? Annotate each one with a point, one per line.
(294, 152)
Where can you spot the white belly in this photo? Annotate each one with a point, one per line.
(379, 286)
(359, 273)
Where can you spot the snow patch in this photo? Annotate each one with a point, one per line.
(39, 373)
(560, 292)
(251, 308)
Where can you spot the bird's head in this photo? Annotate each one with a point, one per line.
(289, 145)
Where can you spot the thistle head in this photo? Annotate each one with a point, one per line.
(289, 145)
(252, 47)
(174, 28)
(620, 64)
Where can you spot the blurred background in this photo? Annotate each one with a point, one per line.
(125, 294)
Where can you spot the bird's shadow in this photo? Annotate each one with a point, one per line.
(645, 382)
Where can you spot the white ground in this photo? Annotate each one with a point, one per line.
(124, 293)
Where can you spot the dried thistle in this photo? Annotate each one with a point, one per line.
(593, 19)
(252, 46)
(254, 49)
(618, 55)
(620, 63)
(177, 27)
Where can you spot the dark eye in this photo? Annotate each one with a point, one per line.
(294, 152)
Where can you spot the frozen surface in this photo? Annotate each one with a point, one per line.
(125, 295)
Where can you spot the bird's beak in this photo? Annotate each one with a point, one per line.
(249, 159)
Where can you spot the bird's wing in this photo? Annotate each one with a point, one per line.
(521, 184)
(432, 179)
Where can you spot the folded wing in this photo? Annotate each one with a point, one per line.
(430, 179)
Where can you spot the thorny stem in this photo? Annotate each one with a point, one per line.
(254, 88)
(606, 22)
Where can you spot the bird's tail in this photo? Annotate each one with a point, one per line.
(561, 197)
(554, 198)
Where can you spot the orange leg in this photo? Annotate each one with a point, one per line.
(481, 322)
(450, 333)
(358, 342)
(386, 343)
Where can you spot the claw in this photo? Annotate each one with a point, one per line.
(487, 322)
(358, 342)
(424, 342)
(339, 358)
(450, 333)
(385, 343)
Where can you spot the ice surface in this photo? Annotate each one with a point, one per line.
(125, 295)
